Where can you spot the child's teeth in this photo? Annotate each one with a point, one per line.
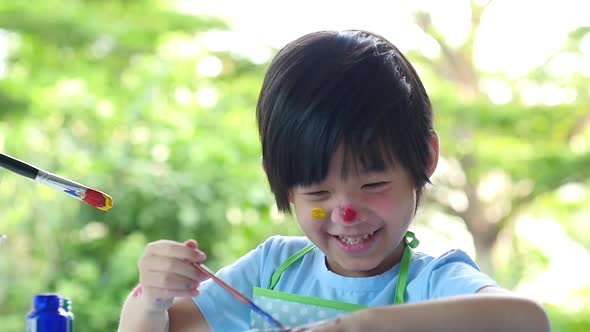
(355, 240)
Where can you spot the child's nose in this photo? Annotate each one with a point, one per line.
(346, 214)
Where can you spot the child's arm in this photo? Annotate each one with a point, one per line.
(137, 316)
(163, 302)
(183, 315)
(493, 310)
(186, 316)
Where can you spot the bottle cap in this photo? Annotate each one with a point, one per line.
(46, 301)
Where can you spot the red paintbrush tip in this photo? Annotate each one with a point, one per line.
(97, 199)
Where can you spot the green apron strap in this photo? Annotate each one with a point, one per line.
(402, 279)
(279, 271)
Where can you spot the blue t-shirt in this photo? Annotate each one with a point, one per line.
(453, 273)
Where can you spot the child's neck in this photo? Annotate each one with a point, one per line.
(388, 263)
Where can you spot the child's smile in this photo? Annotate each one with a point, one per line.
(355, 243)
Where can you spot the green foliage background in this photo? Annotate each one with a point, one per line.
(106, 93)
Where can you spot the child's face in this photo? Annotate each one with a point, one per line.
(370, 244)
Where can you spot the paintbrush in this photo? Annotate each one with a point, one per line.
(91, 196)
(238, 295)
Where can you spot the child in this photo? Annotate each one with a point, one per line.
(347, 143)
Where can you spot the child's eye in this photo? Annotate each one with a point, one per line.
(317, 193)
(375, 185)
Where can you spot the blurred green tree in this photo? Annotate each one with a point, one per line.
(508, 160)
(125, 96)
(532, 146)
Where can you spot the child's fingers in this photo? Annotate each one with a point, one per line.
(166, 272)
(172, 266)
(191, 243)
(164, 294)
(168, 281)
(174, 249)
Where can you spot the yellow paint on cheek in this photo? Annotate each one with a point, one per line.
(318, 213)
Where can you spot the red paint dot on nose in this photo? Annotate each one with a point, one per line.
(348, 214)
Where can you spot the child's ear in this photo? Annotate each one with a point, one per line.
(434, 152)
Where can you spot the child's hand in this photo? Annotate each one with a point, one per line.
(166, 272)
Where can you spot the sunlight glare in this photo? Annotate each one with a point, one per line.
(452, 21)
(498, 91)
(547, 94)
(160, 152)
(234, 215)
(585, 44)
(276, 216)
(567, 258)
(4, 52)
(105, 108)
(579, 144)
(572, 192)
(66, 88)
(493, 185)
(183, 96)
(443, 233)
(209, 66)
(449, 170)
(505, 44)
(140, 134)
(93, 231)
(238, 43)
(207, 96)
(565, 63)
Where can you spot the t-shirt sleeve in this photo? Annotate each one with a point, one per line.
(222, 311)
(455, 273)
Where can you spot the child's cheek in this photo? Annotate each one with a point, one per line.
(383, 201)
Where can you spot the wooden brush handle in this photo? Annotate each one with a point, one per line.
(222, 283)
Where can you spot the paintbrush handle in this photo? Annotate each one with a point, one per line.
(17, 166)
(57, 182)
(205, 270)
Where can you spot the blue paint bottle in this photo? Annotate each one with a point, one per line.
(67, 305)
(47, 315)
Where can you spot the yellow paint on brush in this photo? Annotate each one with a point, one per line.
(318, 213)
(108, 202)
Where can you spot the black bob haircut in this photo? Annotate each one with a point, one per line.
(347, 88)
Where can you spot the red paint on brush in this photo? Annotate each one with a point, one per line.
(98, 199)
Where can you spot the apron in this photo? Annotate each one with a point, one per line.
(294, 310)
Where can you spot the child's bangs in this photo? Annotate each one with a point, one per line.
(364, 150)
(371, 156)
(310, 153)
